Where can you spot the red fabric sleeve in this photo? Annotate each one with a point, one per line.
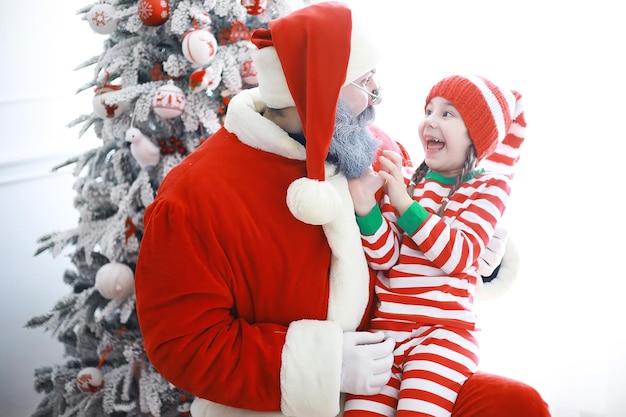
(204, 350)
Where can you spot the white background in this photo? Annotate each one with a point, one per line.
(560, 328)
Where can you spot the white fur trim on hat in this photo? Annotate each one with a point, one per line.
(313, 202)
(349, 274)
(365, 53)
(272, 82)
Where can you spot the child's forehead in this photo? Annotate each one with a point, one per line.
(441, 101)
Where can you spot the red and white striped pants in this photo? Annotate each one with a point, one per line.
(430, 367)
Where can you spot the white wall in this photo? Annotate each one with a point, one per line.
(561, 326)
(40, 45)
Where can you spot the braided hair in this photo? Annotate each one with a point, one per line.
(422, 170)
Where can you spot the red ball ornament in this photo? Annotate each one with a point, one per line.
(104, 109)
(169, 101)
(154, 12)
(254, 7)
(249, 74)
(90, 380)
(101, 18)
(199, 46)
(202, 79)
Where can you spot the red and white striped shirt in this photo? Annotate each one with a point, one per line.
(427, 264)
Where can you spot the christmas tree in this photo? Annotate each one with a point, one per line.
(161, 87)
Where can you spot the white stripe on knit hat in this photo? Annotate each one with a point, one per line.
(495, 106)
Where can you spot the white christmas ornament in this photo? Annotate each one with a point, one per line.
(115, 281)
(101, 18)
(106, 110)
(199, 46)
(143, 150)
(169, 101)
(90, 380)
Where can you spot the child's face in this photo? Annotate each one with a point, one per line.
(444, 137)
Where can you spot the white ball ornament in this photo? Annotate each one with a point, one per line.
(104, 109)
(168, 101)
(90, 380)
(199, 46)
(115, 281)
(101, 18)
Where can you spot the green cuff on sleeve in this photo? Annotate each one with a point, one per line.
(371, 222)
(413, 218)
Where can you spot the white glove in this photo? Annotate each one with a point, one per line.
(492, 256)
(366, 363)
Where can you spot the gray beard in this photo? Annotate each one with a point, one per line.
(353, 148)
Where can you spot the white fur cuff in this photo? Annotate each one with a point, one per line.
(310, 376)
(506, 275)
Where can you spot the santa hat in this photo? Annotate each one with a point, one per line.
(303, 60)
(493, 116)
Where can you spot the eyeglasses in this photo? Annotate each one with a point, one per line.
(375, 94)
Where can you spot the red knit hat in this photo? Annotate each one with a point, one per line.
(488, 111)
(303, 60)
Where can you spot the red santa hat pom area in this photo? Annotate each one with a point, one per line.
(303, 60)
(488, 111)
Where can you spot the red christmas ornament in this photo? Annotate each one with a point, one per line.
(203, 78)
(184, 406)
(172, 146)
(154, 12)
(157, 73)
(131, 229)
(249, 74)
(254, 7)
(90, 380)
(235, 33)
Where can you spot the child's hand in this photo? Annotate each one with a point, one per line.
(363, 190)
(395, 187)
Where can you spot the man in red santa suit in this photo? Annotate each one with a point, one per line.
(252, 288)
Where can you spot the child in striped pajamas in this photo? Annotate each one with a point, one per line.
(425, 243)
